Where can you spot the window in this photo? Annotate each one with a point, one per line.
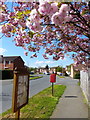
(11, 61)
(7, 62)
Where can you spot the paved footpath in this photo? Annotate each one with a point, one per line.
(71, 104)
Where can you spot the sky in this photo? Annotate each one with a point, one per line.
(8, 48)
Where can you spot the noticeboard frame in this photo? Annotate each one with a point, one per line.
(19, 72)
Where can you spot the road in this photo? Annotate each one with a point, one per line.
(7, 86)
(34, 87)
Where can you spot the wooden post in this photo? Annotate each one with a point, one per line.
(17, 115)
(52, 89)
(21, 80)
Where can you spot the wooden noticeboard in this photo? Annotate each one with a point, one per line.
(20, 89)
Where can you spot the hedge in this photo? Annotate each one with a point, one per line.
(66, 74)
(7, 74)
(77, 76)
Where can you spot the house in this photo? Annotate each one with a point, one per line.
(71, 70)
(53, 70)
(10, 62)
(42, 70)
(45, 70)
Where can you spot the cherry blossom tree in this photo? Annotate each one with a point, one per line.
(59, 28)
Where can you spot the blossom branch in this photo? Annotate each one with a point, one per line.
(83, 49)
(79, 15)
(77, 26)
(2, 36)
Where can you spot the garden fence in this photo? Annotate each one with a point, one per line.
(85, 83)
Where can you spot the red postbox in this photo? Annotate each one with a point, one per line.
(53, 78)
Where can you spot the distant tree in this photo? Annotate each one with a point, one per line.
(47, 67)
(69, 68)
(59, 69)
(32, 69)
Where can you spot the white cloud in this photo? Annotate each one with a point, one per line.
(50, 62)
(2, 50)
(39, 62)
(44, 62)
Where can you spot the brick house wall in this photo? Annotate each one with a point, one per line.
(1, 66)
(11, 62)
(18, 63)
(7, 66)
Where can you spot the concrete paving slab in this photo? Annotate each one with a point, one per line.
(71, 104)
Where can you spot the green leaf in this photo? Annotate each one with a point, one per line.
(84, 12)
(19, 13)
(27, 12)
(30, 33)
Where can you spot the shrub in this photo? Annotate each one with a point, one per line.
(0, 74)
(77, 76)
(7, 74)
(66, 74)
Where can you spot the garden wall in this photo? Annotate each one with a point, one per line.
(85, 83)
(6, 74)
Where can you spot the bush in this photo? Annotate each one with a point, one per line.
(66, 74)
(7, 74)
(0, 75)
(77, 76)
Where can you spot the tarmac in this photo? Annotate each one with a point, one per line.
(72, 104)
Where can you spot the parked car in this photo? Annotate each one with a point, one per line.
(61, 74)
(47, 73)
(31, 72)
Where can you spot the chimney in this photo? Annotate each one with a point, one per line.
(1, 56)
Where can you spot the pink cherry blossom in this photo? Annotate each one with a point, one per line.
(22, 24)
(53, 9)
(59, 28)
(68, 18)
(19, 41)
(3, 17)
(34, 55)
(26, 53)
(34, 16)
(45, 56)
(57, 18)
(36, 27)
(64, 8)
(7, 28)
(56, 57)
(44, 8)
(28, 24)
(27, 40)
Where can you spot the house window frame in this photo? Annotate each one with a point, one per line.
(7, 62)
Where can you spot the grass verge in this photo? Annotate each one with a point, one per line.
(84, 98)
(41, 105)
(78, 83)
(61, 76)
(35, 77)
